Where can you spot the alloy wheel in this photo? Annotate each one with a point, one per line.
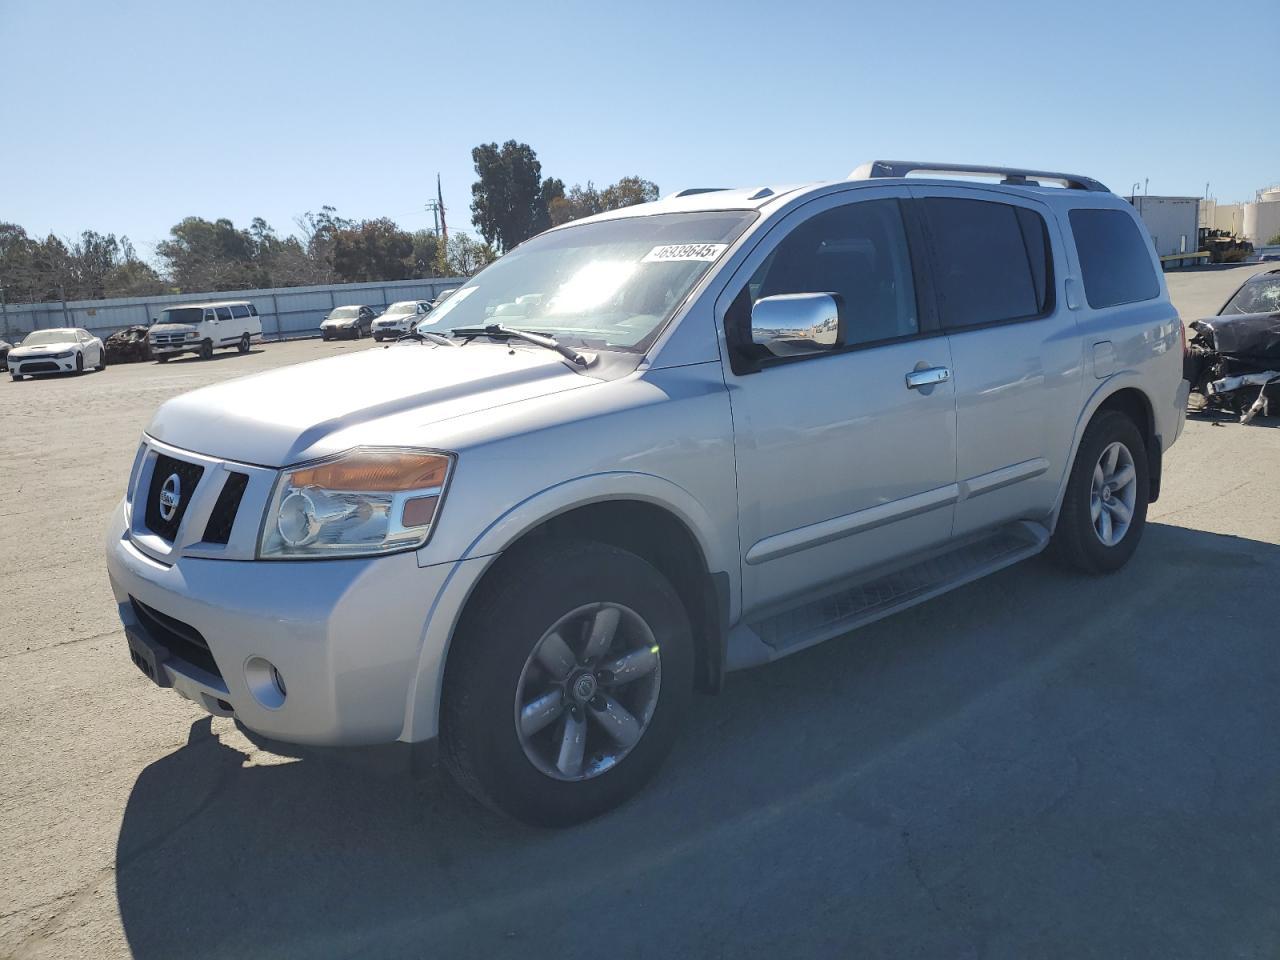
(1113, 494)
(588, 691)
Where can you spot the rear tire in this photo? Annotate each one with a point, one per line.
(1085, 539)
(524, 773)
(243, 345)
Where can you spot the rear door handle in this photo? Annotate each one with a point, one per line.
(927, 377)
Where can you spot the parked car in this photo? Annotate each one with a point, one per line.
(399, 318)
(5, 347)
(648, 448)
(57, 350)
(1233, 360)
(354, 321)
(201, 328)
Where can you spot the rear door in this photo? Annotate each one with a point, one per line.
(998, 268)
(842, 467)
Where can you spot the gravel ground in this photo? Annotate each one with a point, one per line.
(1038, 764)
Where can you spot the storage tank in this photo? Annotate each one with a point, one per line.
(1262, 217)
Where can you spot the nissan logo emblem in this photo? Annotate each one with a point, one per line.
(170, 497)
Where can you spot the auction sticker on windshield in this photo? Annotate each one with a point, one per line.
(706, 252)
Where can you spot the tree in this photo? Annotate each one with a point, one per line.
(580, 201)
(210, 255)
(507, 202)
(467, 256)
(374, 250)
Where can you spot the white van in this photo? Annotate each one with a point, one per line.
(204, 327)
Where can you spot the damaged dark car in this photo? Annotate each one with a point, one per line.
(1233, 359)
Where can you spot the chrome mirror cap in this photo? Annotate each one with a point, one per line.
(797, 324)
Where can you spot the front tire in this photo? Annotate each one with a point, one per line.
(568, 681)
(102, 360)
(162, 358)
(206, 350)
(1104, 510)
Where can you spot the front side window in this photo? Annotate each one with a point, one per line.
(607, 285)
(859, 253)
(992, 261)
(1114, 259)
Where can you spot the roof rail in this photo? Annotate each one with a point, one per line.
(690, 191)
(1012, 175)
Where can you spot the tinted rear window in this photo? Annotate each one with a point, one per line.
(991, 261)
(239, 310)
(1113, 258)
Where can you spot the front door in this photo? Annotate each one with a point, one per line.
(842, 466)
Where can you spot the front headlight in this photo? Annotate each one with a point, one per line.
(192, 335)
(367, 501)
(64, 355)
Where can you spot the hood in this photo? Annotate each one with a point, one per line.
(388, 396)
(172, 328)
(1249, 335)
(43, 349)
(387, 318)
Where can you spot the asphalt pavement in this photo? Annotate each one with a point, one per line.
(1040, 764)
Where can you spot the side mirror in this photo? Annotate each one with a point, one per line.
(797, 324)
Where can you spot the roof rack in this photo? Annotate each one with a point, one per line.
(1014, 176)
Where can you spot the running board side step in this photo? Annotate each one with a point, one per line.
(761, 639)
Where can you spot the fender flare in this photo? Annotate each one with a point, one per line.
(422, 717)
(1121, 380)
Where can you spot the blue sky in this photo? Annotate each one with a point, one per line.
(128, 116)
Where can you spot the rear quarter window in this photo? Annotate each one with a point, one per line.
(239, 310)
(1113, 258)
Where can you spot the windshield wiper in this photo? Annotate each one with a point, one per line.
(427, 335)
(511, 333)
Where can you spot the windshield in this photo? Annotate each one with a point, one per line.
(43, 338)
(405, 306)
(1256, 296)
(612, 284)
(182, 315)
(344, 313)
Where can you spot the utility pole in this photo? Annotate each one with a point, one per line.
(4, 311)
(444, 224)
(434, 207)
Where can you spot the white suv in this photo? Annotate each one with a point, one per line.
(646, 449)
(201, 328)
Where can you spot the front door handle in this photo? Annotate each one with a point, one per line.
(927, 377)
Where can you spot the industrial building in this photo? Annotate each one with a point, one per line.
(1173, 222)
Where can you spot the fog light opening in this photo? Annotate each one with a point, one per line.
(264, 682)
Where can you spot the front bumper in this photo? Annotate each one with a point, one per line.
(352, 639)
(34, 366)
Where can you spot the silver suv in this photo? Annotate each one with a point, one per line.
(646, 449)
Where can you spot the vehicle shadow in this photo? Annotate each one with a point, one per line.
(1038, 759)
(227, 354)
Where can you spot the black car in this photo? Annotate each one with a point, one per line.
(353, 320)
(5, 347)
